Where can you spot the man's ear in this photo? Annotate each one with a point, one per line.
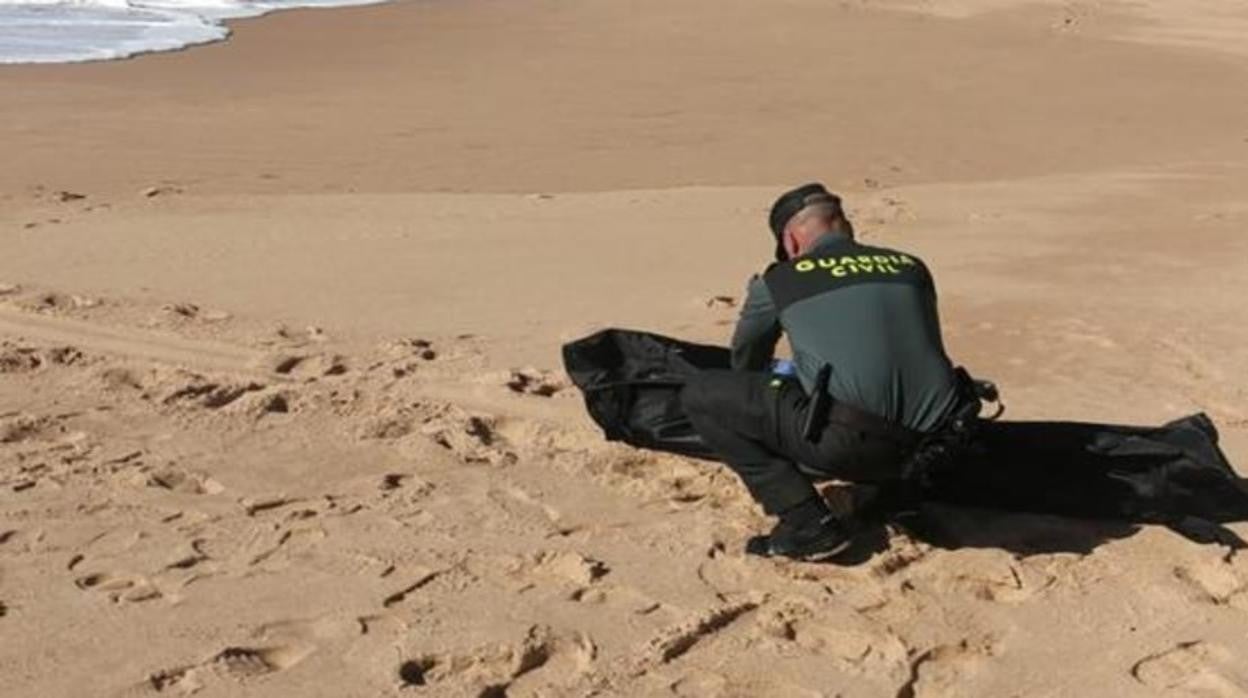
(790, 243)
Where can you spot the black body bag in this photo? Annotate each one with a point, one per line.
(631, 382)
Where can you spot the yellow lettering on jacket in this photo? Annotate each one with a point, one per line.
(841, 267)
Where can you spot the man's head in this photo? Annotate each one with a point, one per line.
(802, 216)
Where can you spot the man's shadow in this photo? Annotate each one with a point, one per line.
(952, 527)
(1023, 534)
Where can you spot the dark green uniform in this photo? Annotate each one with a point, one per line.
(867, 312)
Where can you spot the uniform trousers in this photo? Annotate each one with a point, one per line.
(755, 421)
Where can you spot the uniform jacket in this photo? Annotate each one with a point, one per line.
(869, 313)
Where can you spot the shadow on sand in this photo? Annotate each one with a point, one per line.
(953, 528)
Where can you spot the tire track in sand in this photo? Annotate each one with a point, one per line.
(130, 343)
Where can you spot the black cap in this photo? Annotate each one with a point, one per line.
(790, 203)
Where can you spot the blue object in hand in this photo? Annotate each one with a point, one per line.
(783, 367)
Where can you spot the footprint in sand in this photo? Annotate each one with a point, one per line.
(311, 333)
(159, 190)
(63, 196)
(183, 482)
(200, 392)
(561, 567)
(660, 477)
(16, 358)
(232, 664)
(532, 381)
(986, 575)
(473, 437)
(119, 379)
(887, 210)
(23, 427)
(309, 367)
(392, 481)
(185, 310)
(570, 575)
(271, 402)
(855, 645)
(391, 425)
(19, 359)
(119, 588)
(676, 641)
(524, 509)
(1195, 668)
(190, 311)
(902, 554)
(247, 399)
(241, 663)
(51, 302)
(194, 557)
(1216, 582)
(406, 356)
(943, 671)
(286, 539)
(539, 664)
(420, 348)
(701, 684)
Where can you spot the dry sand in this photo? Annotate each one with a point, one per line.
(280, 408)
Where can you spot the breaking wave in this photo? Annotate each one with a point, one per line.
(65, 31)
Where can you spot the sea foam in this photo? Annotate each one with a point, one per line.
(65, 31)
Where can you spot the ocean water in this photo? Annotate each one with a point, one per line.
(64, 31)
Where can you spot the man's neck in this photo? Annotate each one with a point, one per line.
(830, 237)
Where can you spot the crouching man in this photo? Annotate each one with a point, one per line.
(869, 380)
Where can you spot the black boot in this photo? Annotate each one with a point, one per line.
(807, 532)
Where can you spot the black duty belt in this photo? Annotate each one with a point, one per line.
(957, 427)
(823, 410)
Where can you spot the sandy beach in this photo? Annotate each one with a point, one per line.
(281, 406)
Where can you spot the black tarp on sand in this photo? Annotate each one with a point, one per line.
(1173, 474)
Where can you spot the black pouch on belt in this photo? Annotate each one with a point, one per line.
(820, 403)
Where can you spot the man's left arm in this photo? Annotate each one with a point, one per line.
(758, 329)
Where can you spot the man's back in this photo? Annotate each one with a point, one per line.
(869, 313)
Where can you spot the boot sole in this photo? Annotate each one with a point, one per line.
(825, 554)
(758, 547)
